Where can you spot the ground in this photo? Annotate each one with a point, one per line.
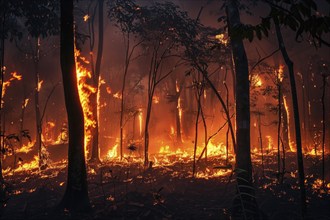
(125, 190)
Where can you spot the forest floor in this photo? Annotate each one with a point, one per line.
(124, 190)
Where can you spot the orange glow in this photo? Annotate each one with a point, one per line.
(155, 99)
(140, 121)
(286, 107)
(113, 152)
(39, 85)
(6, 84)
(280, 73)
(85, 91)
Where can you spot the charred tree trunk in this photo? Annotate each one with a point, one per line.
(243, 156)
(76, 194)
(37, 85)
(300, 161)
(279, 118)
(261, 145)
(324, 83)
(95, 153)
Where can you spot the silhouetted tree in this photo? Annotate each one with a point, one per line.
(76, 194)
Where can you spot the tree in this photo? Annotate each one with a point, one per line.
(76, 194)
(96, 70)
(126, 14)
(243, 156)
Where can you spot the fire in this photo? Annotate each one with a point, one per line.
(26, 102)
(270, 143)
(221, 38)
(155, 99)
(113, 153)
(257, 80)
(117, 95)
(140, 121)
(85, 91)
(26, 148)
(6, 84)
(288, 115)
(86, 17)
(280, 73)
(39, 85)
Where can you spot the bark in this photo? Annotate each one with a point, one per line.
(324, 81)
(289, 64)
(243, 156)
(261, 146)
(279, 106)
(38, 143)
(95, 152)
(76, 194)
(2, 70)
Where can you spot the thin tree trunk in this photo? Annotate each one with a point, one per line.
(289, 64)
(76, 194)
(38, 143)
(261, 146)
(243, 156)
(279, 104)
(95, 154)
(324, 78)
(198, 99)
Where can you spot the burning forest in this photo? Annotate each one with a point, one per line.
(136, 109)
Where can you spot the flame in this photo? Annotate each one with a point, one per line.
(108, 89)
(85, 91)
(270, 143)
(26, 102)
(221, 38)
(6, 84)
(39, 85)
(280, 73)
(172, 130)
(26, 148)
(117, 95)
(155, 99)
(286, 107)
(86, 17)
(257, 80)
(113, 153)
(140, 121)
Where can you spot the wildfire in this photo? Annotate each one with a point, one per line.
(26, 102)
(39, 85)
(85, 91)
(270, 143)
(280, 73)
(221, 38)
(117, 95)
(140, 121)
(286, 107)
(155, 99)
(113, 153)
(26, 148)
(6, 84)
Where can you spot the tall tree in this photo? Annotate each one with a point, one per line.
(76, 193)
(243, 156)
(95, 151)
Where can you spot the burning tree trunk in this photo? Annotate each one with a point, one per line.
(37, 85)
(76, 194)
(243, 156)
(289, 64)
(279, 78)
(95, 151)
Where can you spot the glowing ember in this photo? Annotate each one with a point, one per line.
(155, 99)
(6, 84)
(280, 73)
(221, 38)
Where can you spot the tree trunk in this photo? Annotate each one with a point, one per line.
(289, 64)
(243, 156)
(38, 143)
(324, 84)
(261, 146)
(279, 106)
(95, 153)
(76, 194)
